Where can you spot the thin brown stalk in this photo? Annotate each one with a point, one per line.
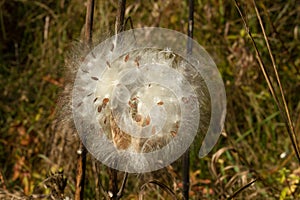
(114, 182)
(286, 113)
(99, 187)
(80, 173)
(186, 155)
(89, 23)
(241, 189)
(121, 16)
(278, 36)
(81, 160)
(119, 28)
(120, 193)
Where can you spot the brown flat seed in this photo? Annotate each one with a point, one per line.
(136, 60)
(94, 78)
(85, 71)
(112, 47)
(126, 58)
(147, 120)
(160, 103)
(99, 109)
(93, 55)
(108, 64)
(105, 100)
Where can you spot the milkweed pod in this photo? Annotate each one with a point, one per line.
(148, 99)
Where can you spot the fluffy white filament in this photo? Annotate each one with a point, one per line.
(137, 99)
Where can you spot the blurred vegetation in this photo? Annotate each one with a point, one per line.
(38, 149)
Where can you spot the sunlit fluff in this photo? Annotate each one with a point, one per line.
(137, 99)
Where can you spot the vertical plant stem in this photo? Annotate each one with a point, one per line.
(186, 174)
(81, 161)
(89, 22)
(186, 155)
(114, 184)
(190, 26)
(121, 16)
(119, 28)
(120, 193)
(97, 179)
(80, 173)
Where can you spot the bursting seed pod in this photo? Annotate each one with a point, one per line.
(139, 105)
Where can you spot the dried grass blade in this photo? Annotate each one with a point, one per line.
(285, 111)
(241, 189)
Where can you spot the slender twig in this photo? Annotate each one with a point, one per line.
(119, 28)
(120, 193)
(89, 23)
(186, 155)
(190, 26)
(114, 182)
(81, 161)
(99, 187)
(285, 111)
(80, 173)
(121, 15)
(241, 189)
(186, 174)
(278, 36)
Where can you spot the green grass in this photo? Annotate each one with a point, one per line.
(34, 53)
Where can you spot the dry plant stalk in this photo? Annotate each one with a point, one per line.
(282, 108)
(186, 155)
(81, 161)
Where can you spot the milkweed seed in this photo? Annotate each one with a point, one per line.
(95, 99)
(105, 100)
(137, 59)
(112, 47)
(94, 78)
(147, 120)
(126, 58)
(99, 109)
(108, 64)
(160, 103)
(85, 71)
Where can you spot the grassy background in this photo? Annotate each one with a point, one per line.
(36, 43)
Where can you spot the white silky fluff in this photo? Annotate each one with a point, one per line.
(137, 99)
